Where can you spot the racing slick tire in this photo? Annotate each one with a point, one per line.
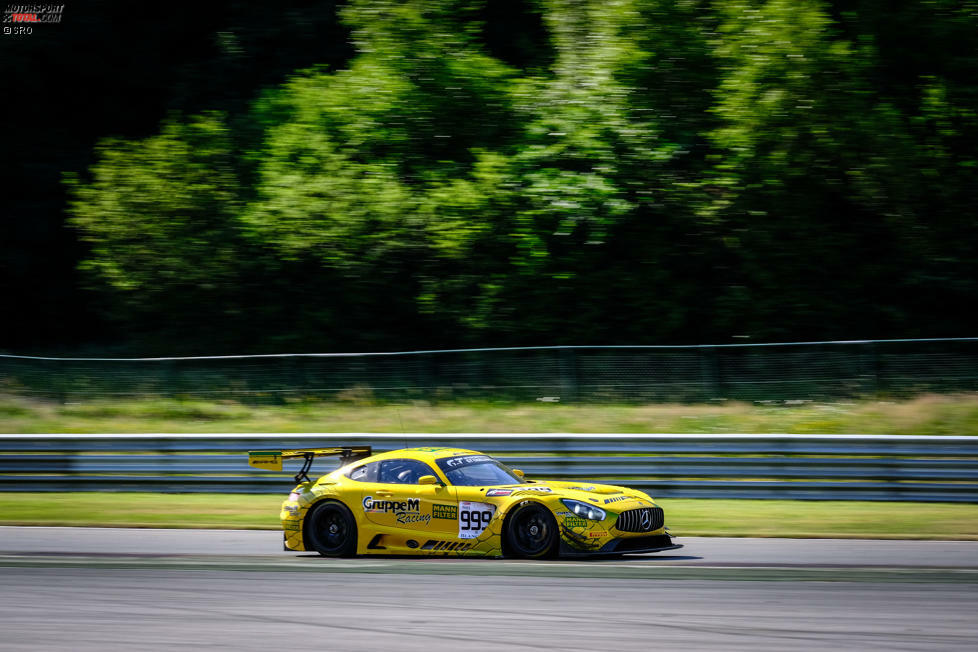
(331, 530)
(531, 532)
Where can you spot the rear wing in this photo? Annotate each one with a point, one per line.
(272, 460)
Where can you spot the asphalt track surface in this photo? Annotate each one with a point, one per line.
(113, 589)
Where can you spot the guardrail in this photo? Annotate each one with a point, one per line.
(815, 467)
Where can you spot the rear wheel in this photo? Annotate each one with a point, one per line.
(531, 532)
(331, 530)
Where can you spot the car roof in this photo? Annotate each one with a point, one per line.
(423, 453)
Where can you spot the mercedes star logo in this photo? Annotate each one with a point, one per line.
(646, 520)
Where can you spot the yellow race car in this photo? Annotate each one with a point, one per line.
(455, 502)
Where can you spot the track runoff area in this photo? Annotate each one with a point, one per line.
(115, 589)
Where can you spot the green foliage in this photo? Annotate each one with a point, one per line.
(160, 214)
(636, 171)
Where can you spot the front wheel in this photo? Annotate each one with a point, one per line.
(331, 530)
(531, 532)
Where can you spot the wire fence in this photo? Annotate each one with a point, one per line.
(798, 371)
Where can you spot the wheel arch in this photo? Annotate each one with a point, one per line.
(312, 506)
(511, 508)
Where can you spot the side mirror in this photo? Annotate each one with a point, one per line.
(428, 479)
(519, 473)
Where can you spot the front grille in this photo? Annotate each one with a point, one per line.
(645, 519)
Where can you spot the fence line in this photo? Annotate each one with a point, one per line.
(781, 371)
(818, 467)
(497, 348)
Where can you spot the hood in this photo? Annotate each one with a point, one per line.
(602, 495)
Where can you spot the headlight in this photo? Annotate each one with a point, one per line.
(584, 510)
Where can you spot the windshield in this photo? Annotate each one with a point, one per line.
(476, 471)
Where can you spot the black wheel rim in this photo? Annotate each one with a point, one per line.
(331, 529)
(532, 532)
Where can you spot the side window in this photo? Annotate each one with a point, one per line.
(403, 471)
(364, 473)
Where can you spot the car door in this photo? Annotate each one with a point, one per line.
(397, 500)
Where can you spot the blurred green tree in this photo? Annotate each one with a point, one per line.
(826, 215)
(160, 214)
(633, 171)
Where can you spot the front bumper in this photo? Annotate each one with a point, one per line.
(623, 546)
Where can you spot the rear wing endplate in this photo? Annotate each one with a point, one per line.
(272, 460)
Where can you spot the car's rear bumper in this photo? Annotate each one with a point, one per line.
(292, 535)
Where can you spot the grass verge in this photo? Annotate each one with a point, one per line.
(685, 517)
(821, 519)
(925, 415)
